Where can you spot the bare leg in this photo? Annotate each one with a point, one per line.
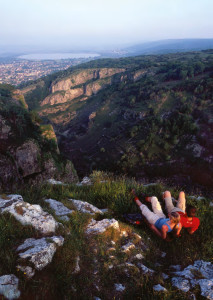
(168, 201)
(156, 207)
(182, 201)
(148, 214)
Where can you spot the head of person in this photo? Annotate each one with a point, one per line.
(174, 217)
(191, 211)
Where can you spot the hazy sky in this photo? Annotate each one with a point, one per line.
(79, 23)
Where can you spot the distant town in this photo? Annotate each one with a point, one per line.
(15, 71)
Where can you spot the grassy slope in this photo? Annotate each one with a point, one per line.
(57, 280)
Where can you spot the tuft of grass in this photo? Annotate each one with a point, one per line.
(12, 234)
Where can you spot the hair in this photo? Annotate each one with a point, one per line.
(189, 209)
(175, 217)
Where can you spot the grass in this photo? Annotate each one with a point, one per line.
(58, 280)
(12, 233)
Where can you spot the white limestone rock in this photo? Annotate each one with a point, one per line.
(150, 184)
(203, 267)
(28, 214)
(54, 182)
(181, 283)
(139, 256)
(85, 181)
(9, 287)
(86, 207)
(165, 276)
(9, 200)
(159, 288)
(188, 277)
(200, 198)
(104, 210)
(39, 252)
(28, 271)
(144, 269)
(129, 246)
(60, 210)
(176, 267)
(119, 287)
(206, 286)
(97, 227)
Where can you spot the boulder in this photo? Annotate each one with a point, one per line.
(129, 246)
(119, 287)
(59, 209)
(27, 158)
(192, 275)
(55, 182)
(144, 269)
(9, 287)
(181, 283)
(86, 207)
(37, 252)
(159, 288)
(85, 181)
(206, 286)
(97, 227)
(28, 214)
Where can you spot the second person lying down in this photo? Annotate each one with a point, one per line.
(157, 220)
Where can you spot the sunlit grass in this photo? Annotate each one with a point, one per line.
(113, 193)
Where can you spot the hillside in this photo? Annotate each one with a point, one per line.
(28, 151)
(170, 46)
(146, 116)
(72, 241)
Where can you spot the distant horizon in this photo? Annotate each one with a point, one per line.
(22, 50)
(100, 25)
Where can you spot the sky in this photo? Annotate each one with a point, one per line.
(82, 24)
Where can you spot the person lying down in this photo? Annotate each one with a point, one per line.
(157, 220)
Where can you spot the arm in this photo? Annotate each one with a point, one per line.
(177, 232)
(164, 230)
(196, 224)
(191, 230)
(162, 234)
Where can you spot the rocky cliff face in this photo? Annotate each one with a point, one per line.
(28, 152)
(82, 83)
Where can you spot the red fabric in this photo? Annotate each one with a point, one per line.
(194, 223)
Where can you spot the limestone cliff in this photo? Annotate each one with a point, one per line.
(83, 76)
(28, 151)
(84, 82)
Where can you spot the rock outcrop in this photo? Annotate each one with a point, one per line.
(60, 210)
(37, 252)
(28, 214)
(200, 273)
(27, 158)
(82, 83)
(28, 151)
(85, 207)
(9, 287)
(97, 227)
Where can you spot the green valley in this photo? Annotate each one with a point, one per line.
(144, 116)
